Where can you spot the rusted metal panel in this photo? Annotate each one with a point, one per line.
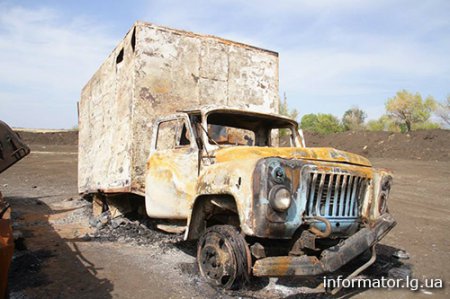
(172, 168)
(318, 154)
(12, 148)
(153, 72)
(6, 252)
(234, 178)
(330, 259)
(268, 223)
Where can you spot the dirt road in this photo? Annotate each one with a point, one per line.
(60, 256)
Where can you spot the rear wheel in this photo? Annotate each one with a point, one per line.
(223, 257)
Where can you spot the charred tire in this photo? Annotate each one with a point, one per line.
(223, 257)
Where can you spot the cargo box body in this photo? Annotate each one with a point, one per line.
(156, 71)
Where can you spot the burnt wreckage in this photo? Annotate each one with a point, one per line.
(236, 175)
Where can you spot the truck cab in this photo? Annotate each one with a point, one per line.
(260, 202)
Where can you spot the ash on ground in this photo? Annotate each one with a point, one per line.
(131, 229)
(134, 229)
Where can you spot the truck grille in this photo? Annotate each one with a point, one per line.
(334, 195)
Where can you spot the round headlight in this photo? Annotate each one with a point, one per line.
(280, 198)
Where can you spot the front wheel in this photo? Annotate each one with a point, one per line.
(223, 257)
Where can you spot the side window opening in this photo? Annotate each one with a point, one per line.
(173, 134)
(281, 138)
(166, 135)
(184, 138)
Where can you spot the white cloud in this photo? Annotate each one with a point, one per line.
(332, 49)
(333, 55)
(316, 68)
(46, 59)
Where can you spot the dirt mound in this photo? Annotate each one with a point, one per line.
(36, 137)
(427, 145)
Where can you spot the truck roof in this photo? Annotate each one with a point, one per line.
(193, 34)
(207, 109)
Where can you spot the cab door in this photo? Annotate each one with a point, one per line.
(172, 169)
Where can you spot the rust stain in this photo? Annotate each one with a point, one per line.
(318, 154)
(172, 173)
(6, 251)
(277, 266)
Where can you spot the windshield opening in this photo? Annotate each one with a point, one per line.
(231, 128)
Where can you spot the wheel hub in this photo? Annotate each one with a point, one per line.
(216, 262)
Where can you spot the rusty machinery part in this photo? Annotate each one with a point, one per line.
(223, 257)
(306, 240)
(12, 148)
(319, 233)
(330, 259)
(359, 270)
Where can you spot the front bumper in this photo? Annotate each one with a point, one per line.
(331, 259)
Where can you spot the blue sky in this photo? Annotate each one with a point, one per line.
(333, 54)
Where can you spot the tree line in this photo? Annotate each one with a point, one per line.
(404, 112)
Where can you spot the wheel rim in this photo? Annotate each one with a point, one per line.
(216, 260)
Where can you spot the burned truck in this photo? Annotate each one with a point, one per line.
(190, 123)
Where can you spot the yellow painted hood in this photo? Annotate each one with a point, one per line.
(310, 153)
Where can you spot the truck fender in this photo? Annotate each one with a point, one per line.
(204, 208)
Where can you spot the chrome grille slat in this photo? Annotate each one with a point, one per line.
(319, 194)
(342, 197)
(329, 191)
(353, 198)
(312, 189)
(335, 195)
(348, 196)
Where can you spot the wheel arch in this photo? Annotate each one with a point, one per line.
(205, 207)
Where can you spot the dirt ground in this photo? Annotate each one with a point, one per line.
(58, 254)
